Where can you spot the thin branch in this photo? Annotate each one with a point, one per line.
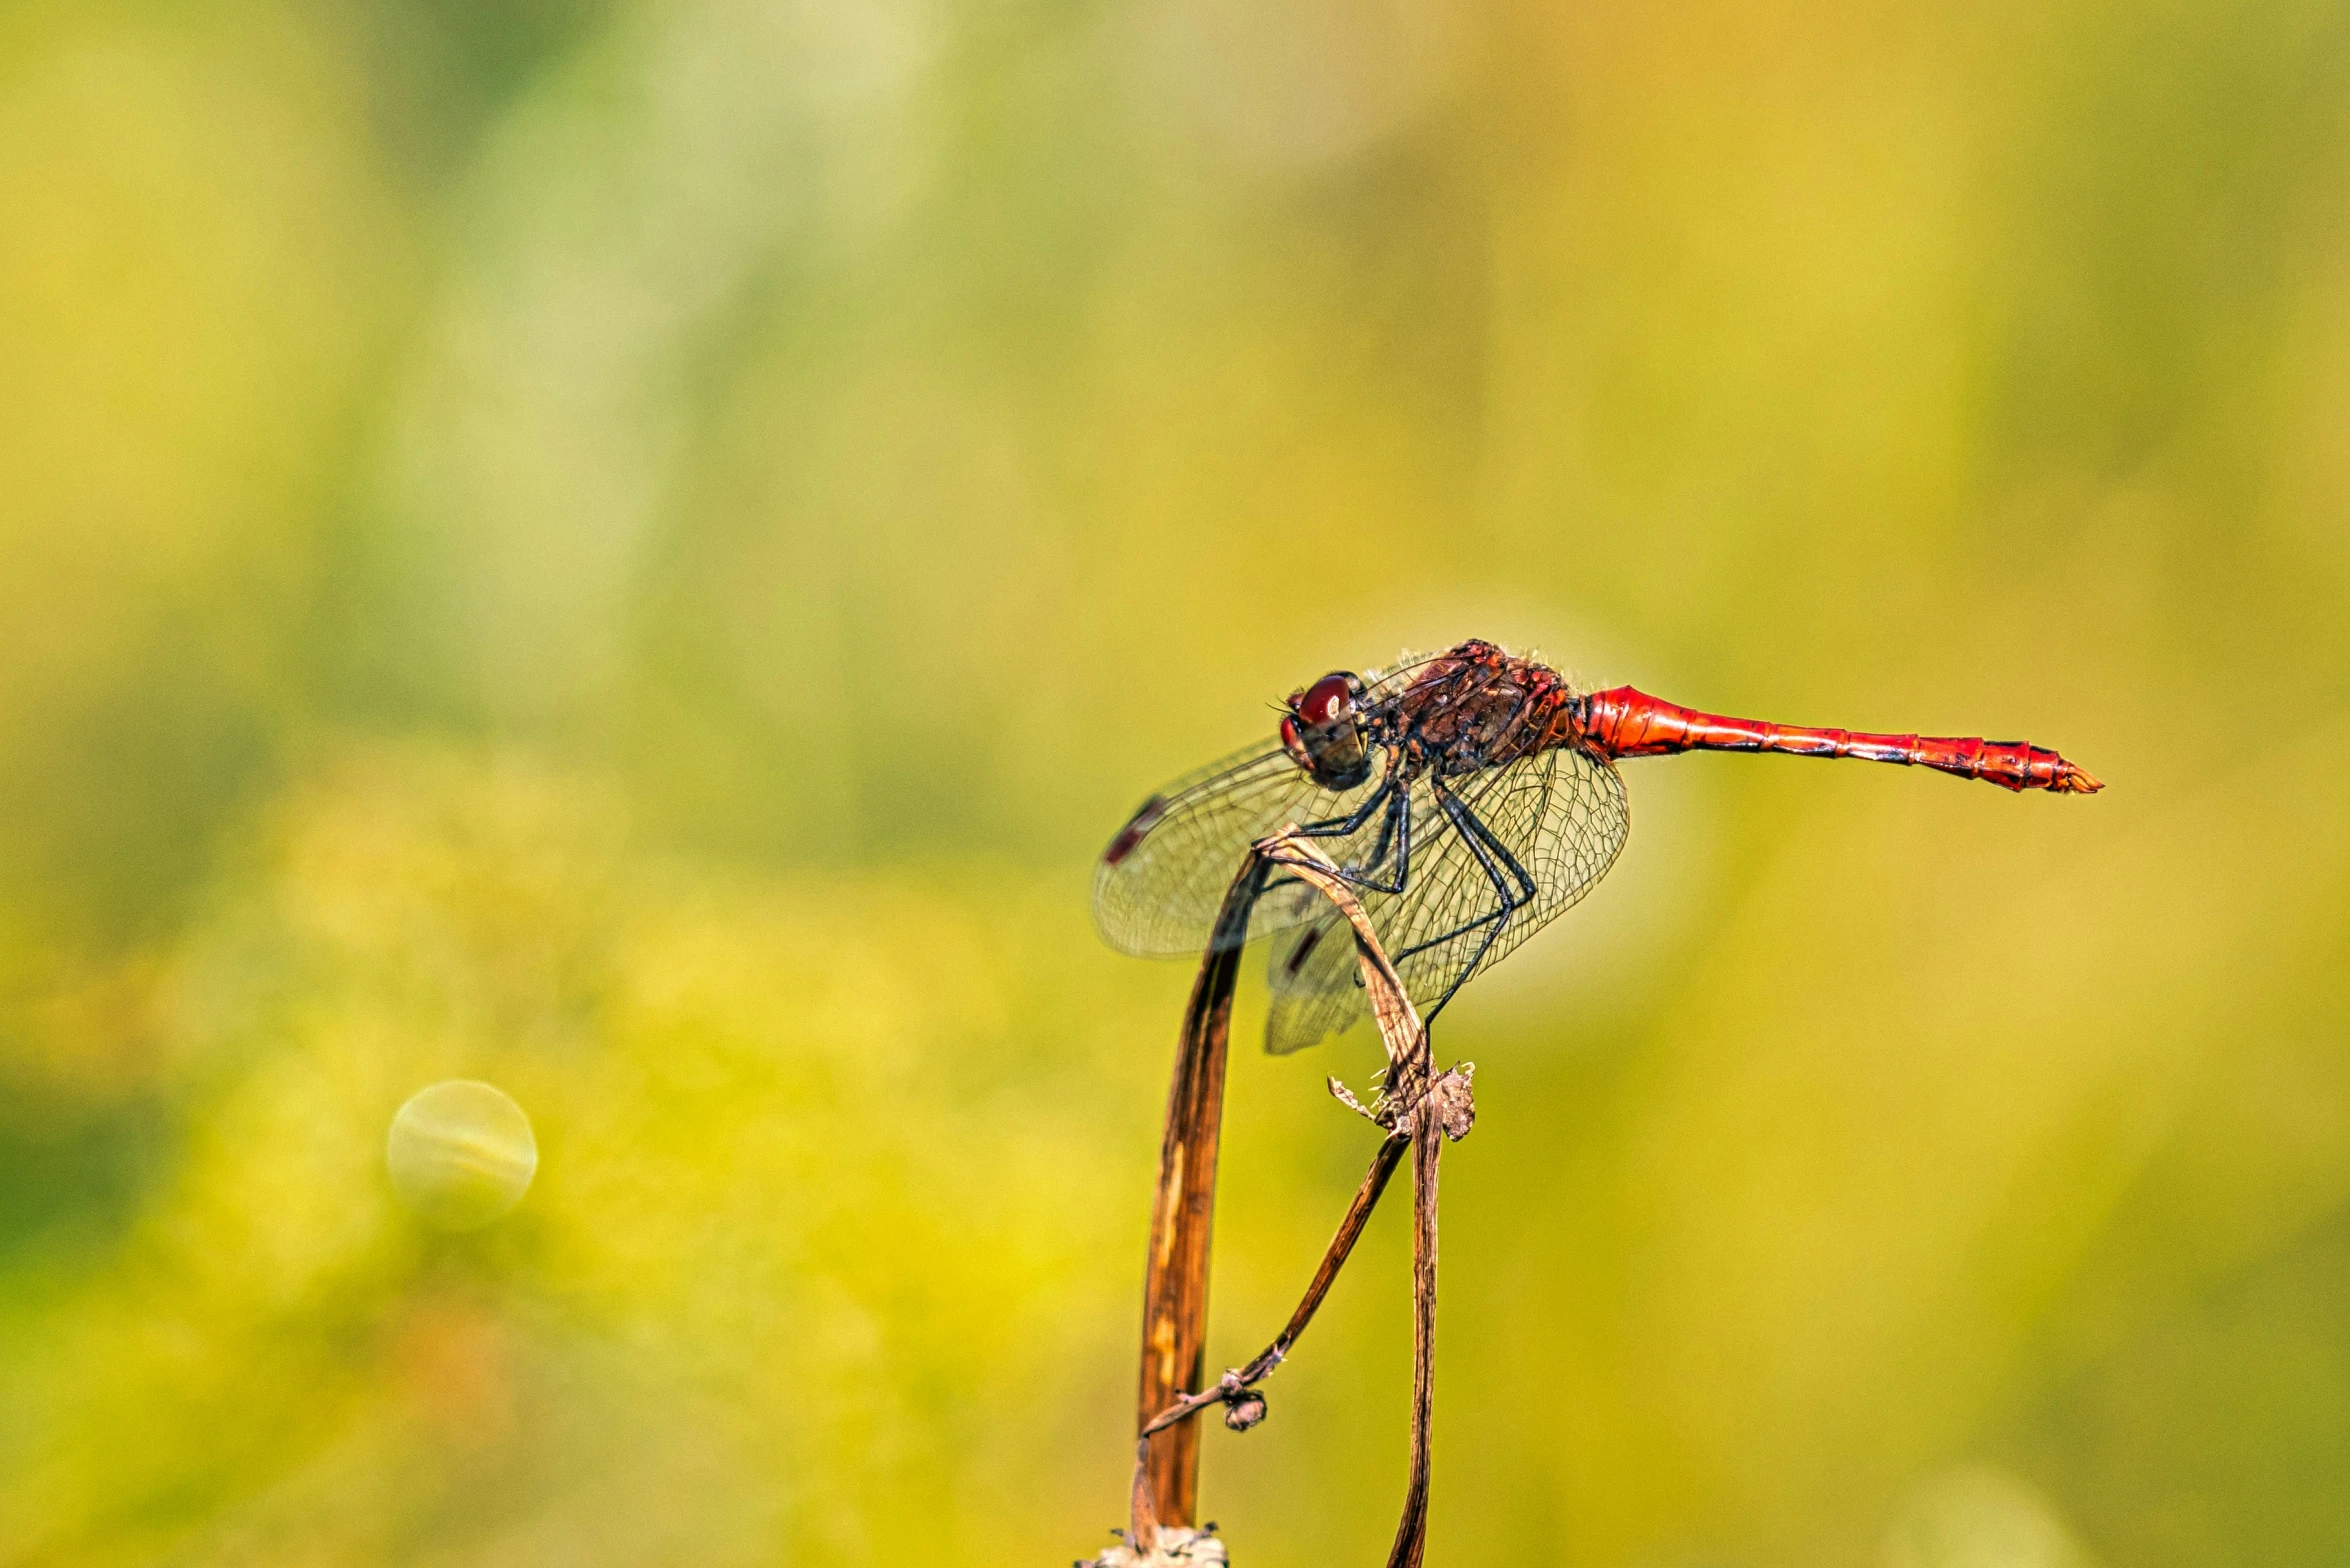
(1175, 1283)
(1243, 1410)
(1430, 1109)
(1417, 1107)
(1400, 1029)
(1411, 1532)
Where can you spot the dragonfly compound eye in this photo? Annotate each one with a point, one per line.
(1321, 734)
(1326, 701)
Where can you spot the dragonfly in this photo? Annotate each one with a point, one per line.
(1468, 797)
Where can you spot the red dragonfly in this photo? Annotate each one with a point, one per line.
(1469, 797)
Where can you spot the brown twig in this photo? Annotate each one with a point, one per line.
(1417, 1107)
(1231, 1390)
(1429, 1108)
(1175, 1283)
(1411, 1531)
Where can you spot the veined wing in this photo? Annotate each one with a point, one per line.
(1163, 877)
(1560, 813)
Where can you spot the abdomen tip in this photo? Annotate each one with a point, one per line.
(2077, 780)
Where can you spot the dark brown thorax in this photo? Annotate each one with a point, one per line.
(1476, 707)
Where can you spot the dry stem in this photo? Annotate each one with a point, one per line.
(1418, 1108)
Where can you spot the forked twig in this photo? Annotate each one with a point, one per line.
(1235, 1389)
(1417, 1107)
(1429, 1108)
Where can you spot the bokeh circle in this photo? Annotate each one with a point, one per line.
(461, 1154)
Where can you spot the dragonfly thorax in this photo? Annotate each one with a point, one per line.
(1476, 708)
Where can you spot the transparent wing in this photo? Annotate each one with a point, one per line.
(1163, 877)
(1316, 985)
(1560, 814)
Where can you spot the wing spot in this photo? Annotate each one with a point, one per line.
(1136, 827)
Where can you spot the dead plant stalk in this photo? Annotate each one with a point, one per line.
(1417, 1109)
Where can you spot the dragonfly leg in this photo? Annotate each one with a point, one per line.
(1384, 842)
(1512, 891)
(1340, 827)
(1395, 833)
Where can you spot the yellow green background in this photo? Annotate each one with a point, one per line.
(636, 551)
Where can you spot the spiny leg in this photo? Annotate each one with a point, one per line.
(1477, 838)
(1492, 855)
(1394, 834)
(1398, 805)
(1396, 830)
(1340, 827)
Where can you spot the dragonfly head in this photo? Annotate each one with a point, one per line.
(1323, 732)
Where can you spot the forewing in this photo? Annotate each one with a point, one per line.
(1559, 813)
(1164, 876)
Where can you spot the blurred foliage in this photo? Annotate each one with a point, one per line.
(635, 551)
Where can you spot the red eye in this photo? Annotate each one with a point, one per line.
(1327, 699)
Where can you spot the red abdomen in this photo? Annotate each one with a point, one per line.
(1623, 722)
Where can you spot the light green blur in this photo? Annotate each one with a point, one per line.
(636, 551)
